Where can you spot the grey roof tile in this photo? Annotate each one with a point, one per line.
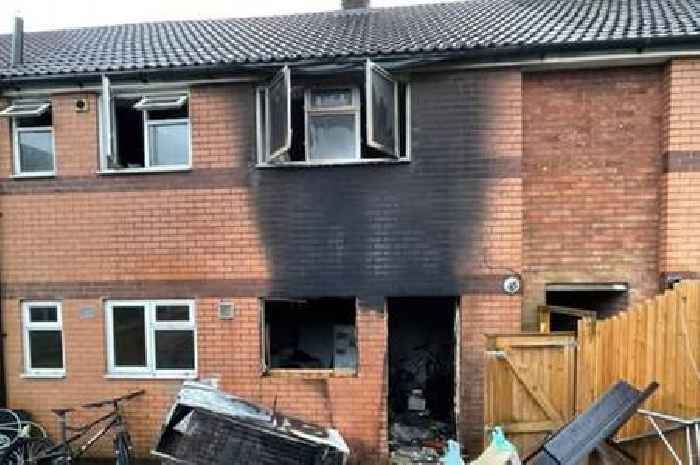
(457, 26)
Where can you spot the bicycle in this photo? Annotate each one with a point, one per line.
(32, 447)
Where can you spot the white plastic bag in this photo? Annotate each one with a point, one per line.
(499, 452)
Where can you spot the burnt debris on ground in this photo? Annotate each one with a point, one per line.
(209, 427)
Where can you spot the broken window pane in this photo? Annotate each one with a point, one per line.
(332, 137)
(129, 336)
(311, 334)
(175, 350)
(129, 135)
(46, 349)
(43, 314)
(168, 143)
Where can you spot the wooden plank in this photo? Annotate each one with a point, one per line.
(533, 388)
(530, 427)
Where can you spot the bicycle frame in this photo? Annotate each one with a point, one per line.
(64, 449)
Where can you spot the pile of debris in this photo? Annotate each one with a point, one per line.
(210, 427)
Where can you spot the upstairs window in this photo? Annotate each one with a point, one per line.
(332, 119)
(144, 132)
(32, 138)
(43, 339)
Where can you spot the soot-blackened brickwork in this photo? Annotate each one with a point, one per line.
(395, 229)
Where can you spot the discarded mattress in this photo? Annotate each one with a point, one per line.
(208, 427)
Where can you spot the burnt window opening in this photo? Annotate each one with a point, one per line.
(310, 334)
(604, 299)
(142, 132)
(332, 119)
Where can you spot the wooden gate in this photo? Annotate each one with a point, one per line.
(530, 385)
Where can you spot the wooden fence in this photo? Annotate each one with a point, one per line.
(657, 340)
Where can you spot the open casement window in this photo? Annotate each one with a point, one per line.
(151, 338)
(32, 137)
(144, 132)
(382, 100)
(278, 117)
(43, 339)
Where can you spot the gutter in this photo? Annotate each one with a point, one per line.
(660, 48)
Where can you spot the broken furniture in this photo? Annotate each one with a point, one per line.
(593, 429)
(209, 427)
(691, 427)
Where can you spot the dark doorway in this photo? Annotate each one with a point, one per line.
(605, 300)
(422, 378)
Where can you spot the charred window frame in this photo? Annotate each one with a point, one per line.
(32, 138)
(312, 336)
(144, 131)
(44, 347)
(148, 331)
(285, 123)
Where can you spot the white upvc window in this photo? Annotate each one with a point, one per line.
(344, 119)
(332, 124)
(32, 137)
(44, 352)
(151, 338)
(144, 131)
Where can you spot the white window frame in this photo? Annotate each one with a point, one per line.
(147, 124)
(28, 325)
(151, 326)
(353, 109)
(371, 67)
(262, 133)
(108, 146)
(16, 132)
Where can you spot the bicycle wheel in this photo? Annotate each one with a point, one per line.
(122, 449)
(10, 427)
(27, 451)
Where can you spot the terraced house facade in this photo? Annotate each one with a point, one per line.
(323, 212)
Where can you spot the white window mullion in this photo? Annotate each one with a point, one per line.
(151, 337)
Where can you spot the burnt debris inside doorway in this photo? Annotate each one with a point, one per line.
(422, 381)
(605, 299)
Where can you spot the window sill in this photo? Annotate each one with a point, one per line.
(42, 375)
(316, 164)
(173, 169)
(146, 376)
(310, 374)
(22, 176)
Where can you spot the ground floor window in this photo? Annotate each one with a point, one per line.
(155, 337)
(43, 339)
(310, 334)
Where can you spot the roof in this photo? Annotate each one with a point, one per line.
(451, 28)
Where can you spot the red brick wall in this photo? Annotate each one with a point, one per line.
(84, 237)
(592, 172)
(680, 227)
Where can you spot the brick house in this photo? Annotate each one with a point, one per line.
(297, 206)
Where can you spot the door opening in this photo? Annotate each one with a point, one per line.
(422, 375)
(604, 299)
